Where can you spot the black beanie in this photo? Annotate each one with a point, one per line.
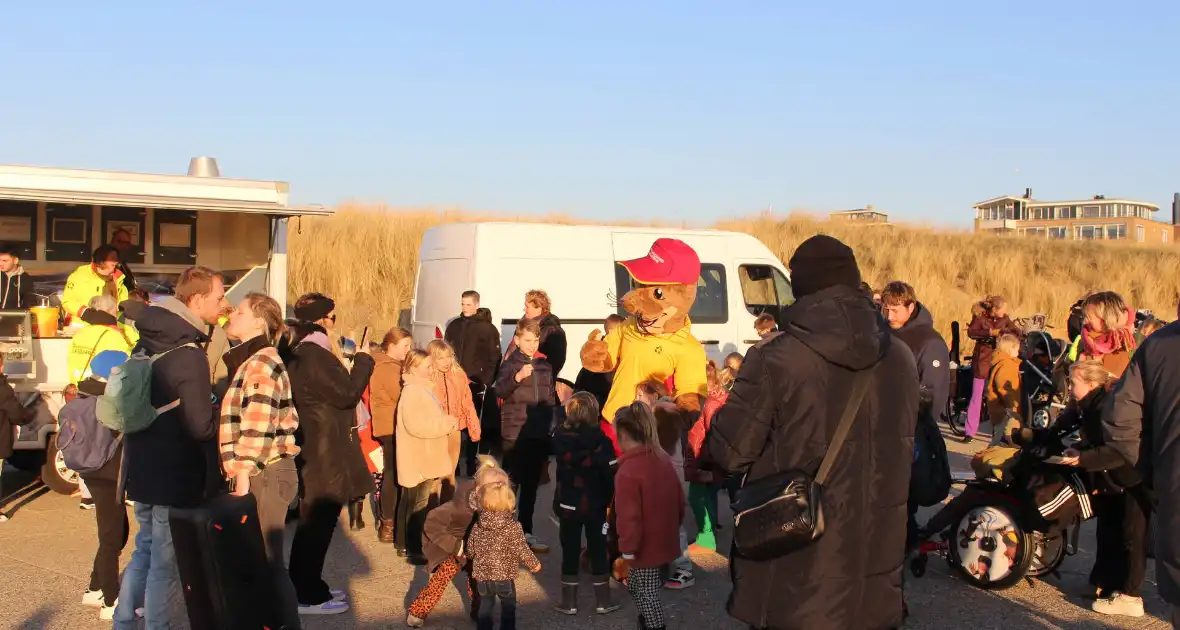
(822, 262)
(317, 307)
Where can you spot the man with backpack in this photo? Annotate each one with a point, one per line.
(170, 440)
(930, 480)
(96, 453)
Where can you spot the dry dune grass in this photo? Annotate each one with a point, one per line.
(366, 258)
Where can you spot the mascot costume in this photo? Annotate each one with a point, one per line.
(656, 342)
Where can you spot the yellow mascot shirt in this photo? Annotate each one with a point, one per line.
(641, 357)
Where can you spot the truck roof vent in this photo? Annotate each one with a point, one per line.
(203, 167)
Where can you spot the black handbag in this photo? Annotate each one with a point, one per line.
(783, 513)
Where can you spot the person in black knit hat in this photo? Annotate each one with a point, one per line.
(822, 262)
(781, 415)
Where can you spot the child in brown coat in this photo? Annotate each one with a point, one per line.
(497, 549)
(442, 542)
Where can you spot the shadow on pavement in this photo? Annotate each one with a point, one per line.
(41, 620)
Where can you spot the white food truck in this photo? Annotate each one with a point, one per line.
(55, 218)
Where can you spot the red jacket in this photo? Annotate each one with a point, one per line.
(649, 507)
(696, 438)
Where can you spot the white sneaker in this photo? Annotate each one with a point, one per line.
(535, 544)
(107, 613)
(339, 594)
(1119, 604)
(414, 622)
(92, 599)
(330, 607)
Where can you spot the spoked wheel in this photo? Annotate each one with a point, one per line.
(957, 421)
(990, 549)
(1048, 554)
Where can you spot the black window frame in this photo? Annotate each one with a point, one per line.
(624, 283)
(778, 306)
(20, 209)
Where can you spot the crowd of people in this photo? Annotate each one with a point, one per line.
(449, 443)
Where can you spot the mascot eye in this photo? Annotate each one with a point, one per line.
(659, 293)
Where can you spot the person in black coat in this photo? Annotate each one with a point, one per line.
(599, 383)
(17, 289)
(781, 415)
(1141, 422)
(476, 341)
(332, 471)
(12, 415)
(914, 326)
(526, 386)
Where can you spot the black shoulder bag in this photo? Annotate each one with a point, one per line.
(783, 513)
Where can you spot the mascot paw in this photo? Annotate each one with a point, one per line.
(596, 354)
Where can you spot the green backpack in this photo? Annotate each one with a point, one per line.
(126, 405)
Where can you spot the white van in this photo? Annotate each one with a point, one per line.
(577, 267)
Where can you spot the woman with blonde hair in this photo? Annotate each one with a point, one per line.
(1121, 503)
(989, 321)
(423, 451)
(258, 427)
(453, 390)
(1108, 334)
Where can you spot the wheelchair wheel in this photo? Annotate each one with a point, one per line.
(989, 548)
(956, 420)
(1048, 554)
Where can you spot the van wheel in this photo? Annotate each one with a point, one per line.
(54, 473)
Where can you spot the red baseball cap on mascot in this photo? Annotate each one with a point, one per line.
(670, 261)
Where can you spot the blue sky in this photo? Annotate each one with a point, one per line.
(678, 110)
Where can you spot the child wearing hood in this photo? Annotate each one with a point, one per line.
(443, 539)
(110, 513)
(497, 548)
(585, 486)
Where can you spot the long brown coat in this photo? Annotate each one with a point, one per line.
(385, 391)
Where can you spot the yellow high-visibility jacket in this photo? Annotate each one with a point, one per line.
(84, 284)
(90, 341)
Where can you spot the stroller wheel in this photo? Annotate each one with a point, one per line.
(991, 549)
(918, 565)
(1048, 554)
(1041, 419)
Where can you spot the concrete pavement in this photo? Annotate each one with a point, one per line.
(47, 548)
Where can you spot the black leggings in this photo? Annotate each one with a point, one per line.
(390, 490)
(113, 529)
(1121, 550)
(571, 528)
(309, 549)
(524, 461)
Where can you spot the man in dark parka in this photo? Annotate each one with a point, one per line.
(781, 415)
(1142, 423)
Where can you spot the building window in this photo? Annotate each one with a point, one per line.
(1036, 232)
(1058, 233)
(1139, 233)
(1091, 212)
(1116, 232)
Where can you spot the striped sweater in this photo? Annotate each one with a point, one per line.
(258, 418)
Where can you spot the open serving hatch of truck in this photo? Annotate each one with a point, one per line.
(55, 218)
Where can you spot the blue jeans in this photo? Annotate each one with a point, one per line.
(489, 592)
(150, 580)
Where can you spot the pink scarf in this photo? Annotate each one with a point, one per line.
(1111, 341)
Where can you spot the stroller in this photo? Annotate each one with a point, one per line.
(961, 383)
(1044, 378)
(996, 533)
